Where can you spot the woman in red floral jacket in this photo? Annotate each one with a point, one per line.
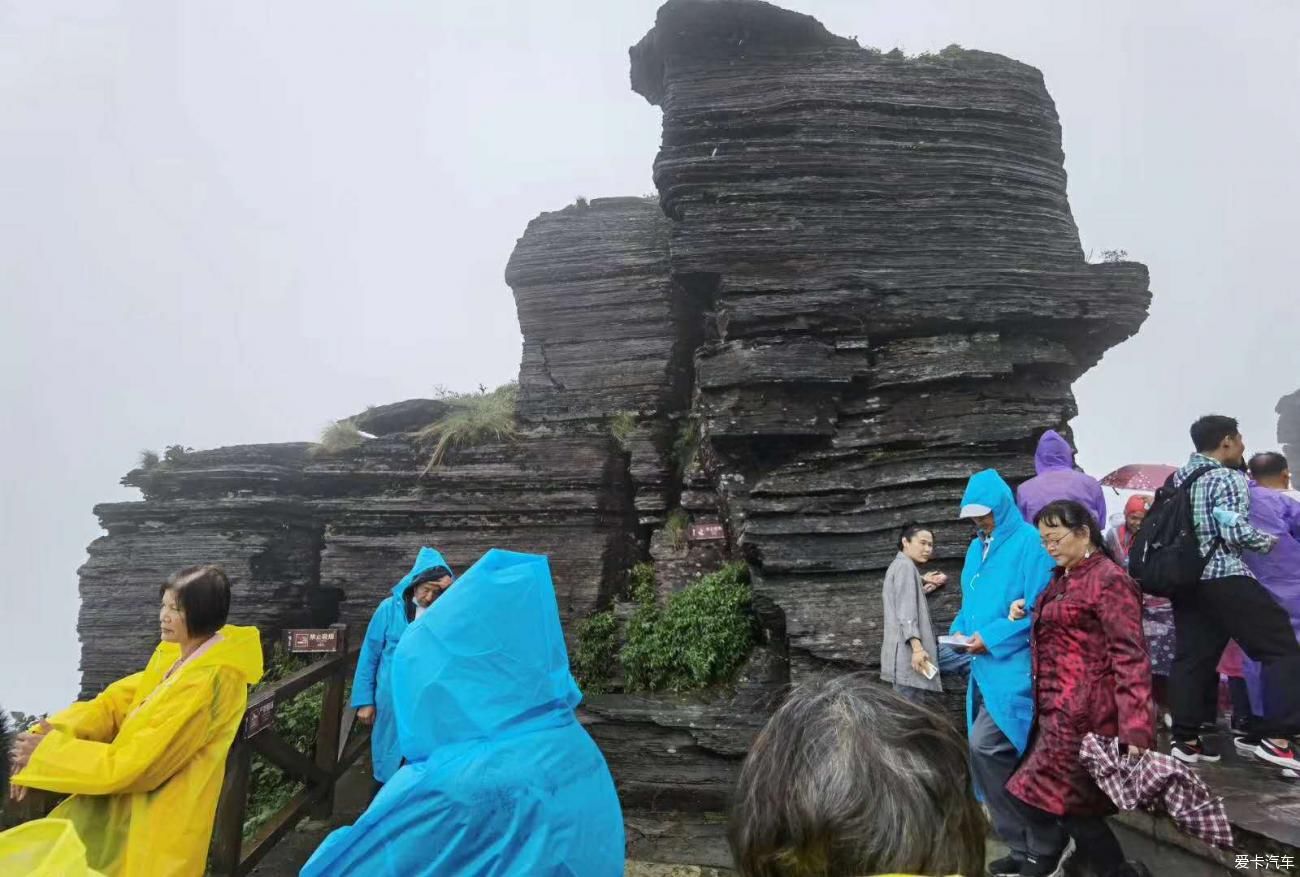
(1091, 674)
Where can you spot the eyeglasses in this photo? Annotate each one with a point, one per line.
(1050, 543)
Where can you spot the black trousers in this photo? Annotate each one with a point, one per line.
(1206, 616)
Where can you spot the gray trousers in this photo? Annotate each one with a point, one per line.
(993, 759)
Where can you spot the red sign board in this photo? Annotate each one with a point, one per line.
(259, 717)
(707, 532)
(305, 642)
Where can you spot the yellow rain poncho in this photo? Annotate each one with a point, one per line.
(145, 760)
(44, 848)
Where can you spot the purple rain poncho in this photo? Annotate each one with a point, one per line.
(1058, 479)
(1275, 513)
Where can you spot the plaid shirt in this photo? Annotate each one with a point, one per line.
(1222, 488)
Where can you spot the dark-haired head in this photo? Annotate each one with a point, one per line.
(1069, 532)
(1219, 437)
(849, 779)
(6, 741)
(195, 603)
(1271, 470)
(917, 542)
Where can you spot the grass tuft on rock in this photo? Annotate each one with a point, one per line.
(473, 419)
(339, 437)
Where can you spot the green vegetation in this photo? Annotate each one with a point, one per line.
(340, 436)
(149, 459)
(686, 444)
(675, 527)
(473, 418)
(700, 638)
(296, 722)
(621, 427)
(596, 651)
(174, 453)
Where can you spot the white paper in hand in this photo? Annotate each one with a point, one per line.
(957, 641)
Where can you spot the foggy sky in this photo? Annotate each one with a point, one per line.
(225, 223)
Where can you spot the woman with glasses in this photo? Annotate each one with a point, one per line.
(1091, 674)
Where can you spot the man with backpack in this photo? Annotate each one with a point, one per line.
(1225, 601)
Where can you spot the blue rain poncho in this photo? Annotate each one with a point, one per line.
(500, 778)
(371, 686)
(1016, 567)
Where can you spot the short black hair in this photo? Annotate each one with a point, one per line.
(203, 595)
(5, 758)
(432, 574)
(1209, 431)
(1268, 464)
(909, 531)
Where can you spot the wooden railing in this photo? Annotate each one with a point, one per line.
(230, 855)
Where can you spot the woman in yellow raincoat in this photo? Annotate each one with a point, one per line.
(144, 761)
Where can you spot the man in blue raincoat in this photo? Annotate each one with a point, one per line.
(500, 778)
(371, 687)
(1005, 562)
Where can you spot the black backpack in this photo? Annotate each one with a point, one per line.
(1166, 556)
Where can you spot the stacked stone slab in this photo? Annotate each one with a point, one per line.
(1288, 428)
(309, 538)
(899, 294)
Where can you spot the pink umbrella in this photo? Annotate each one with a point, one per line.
(1139, 476)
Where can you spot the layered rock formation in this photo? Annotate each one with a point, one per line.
(1288, 428)
(861, 283)
(309, 539)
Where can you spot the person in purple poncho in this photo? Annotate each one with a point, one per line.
(1274, 512)
(1057, 478)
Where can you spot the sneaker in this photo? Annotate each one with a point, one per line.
(1245, 744)
(1007, 866)
(1280, 755)
(1191, 751)
(1048, 866)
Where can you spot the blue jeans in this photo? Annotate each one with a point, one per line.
(953, 662)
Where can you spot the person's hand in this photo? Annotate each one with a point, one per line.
(366, 715)
(933, 581)
(1017, 610)
(1134, 752)
(975, 645)
(24, 745)
(920, 658)
(17, 793)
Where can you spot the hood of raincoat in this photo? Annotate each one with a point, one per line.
(989, 490)
(239, 648)
(488, 659)
(1054, 453)
(427, 559)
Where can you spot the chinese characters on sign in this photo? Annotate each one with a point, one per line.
(707, 532)
(260, 717)
(313, 641)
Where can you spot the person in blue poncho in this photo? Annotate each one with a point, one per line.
(500, 778)
(1005, 563)
(371, 687)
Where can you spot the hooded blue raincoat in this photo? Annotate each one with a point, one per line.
(372, 684)
(501, 779)
(1015, 566)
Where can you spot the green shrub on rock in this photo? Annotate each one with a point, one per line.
(597, 649)
(700, 638)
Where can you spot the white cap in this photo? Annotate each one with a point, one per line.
(975, 510)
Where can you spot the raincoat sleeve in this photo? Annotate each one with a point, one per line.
(1004, 637)
(372, 649)
(1098, 504)
(174, 728)
(1120, 609)
(98, 719)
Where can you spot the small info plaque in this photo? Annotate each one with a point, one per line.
(708, 532)
(307, 642)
